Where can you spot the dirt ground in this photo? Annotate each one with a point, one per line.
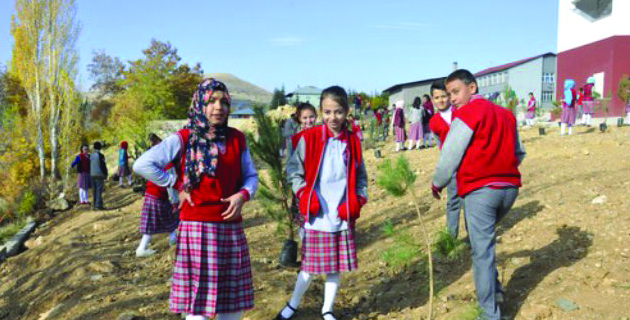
(555, 247)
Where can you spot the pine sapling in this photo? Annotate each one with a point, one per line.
(397, 178)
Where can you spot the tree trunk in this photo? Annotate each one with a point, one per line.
(38, 126)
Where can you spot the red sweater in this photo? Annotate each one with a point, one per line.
(490, 158)
(156, 191)
(315, 144)
(439, 126)
(227, 181)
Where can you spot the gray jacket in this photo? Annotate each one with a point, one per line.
(98, 167)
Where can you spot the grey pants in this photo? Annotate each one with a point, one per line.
(453, 207)
(98, 184)
(484, 208)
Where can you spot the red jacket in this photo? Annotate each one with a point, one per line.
(156, 191)
(490, 157)
(227, 181)
(439, 126)
(315, 140)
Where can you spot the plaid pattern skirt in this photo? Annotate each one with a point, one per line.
(157, 216)
(415, 131)
(328, 252)
(568, 115)
(401, 135)
(588, 107)
(83, 180)
(124, 170)
(212, 271)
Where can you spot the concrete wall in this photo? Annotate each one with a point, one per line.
(548, 66)
(410, 92)
(310, 98)
(575, 30)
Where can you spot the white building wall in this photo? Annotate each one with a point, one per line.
(526, 78)
(574, 30)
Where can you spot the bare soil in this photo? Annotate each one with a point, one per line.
(554, 244)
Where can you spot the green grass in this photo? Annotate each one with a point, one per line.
(7, 231)
(469, 312)
(448, 246)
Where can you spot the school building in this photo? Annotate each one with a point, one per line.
(410, 90)
(308, 94)
(594, 40)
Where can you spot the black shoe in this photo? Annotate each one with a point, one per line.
(279, 315)
(328, 313)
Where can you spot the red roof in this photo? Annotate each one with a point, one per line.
(510, 65)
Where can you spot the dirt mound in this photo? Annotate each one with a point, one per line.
(561, 254)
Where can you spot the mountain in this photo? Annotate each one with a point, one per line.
(241, 90)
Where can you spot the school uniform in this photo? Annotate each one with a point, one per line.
(429, 111)
(157, 214)
(588, 101)
(212, 272)
(123, 163)
(484, 147)
(440, 125)
(399, 125)
(82, 162)
(531, 109)
(416, 130)
(329, 178)
(568, 106)
(98, 174)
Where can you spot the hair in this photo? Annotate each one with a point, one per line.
(97, 145)
(417, 102)
(154, 138)
(426, 96)
(464, 75)
(531, 93)
(83, 145)
(581, 89)
(304, 106)
(438, 85)
(337, 94)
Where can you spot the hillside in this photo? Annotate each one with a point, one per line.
(241, 89)
(555, 246)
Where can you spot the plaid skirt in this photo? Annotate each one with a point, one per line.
(83, 180)
(212, 271)
(328, 252)
(124, 170)
(157, 216)
(415, 131)
(588, 107)
(401, 135)
(568, 116)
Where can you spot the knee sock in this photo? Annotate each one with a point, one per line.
(129, 179)
(418, 144)
(144, 242)
(120, 180)
(229, 316)
(410, 144)
(397, 146)
(563, 128)
(570, 130)
(301, 285)
(193, 317)
(172, 238)
(330, 292)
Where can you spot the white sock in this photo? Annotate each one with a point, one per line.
(120, 180)
(570, 130)
(563, 128)
(418, 144)
(193, 317)
(410, 145)
(301, 285)
(129, 179)
(144, 242)
(229, 316)
(172, 238)
(330, 292)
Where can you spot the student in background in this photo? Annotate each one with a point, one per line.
(416, 133)
(98, 174)
(399, 125)
(568, 107)
(123, 164)
(531, 110)
(82, 162)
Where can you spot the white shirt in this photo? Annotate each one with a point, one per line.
(447, 114)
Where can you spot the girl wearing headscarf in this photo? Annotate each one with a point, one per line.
(215, 176)
(399, 125)
(123, 163)
(588, 101)
(82, 162)
(158, 215)
(428, 111)
(568, 107)
(416, 129)
(531, 110)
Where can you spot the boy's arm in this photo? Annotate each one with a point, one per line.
(103, 164)
(295, 168)
(453, 151)
(362, 183)
(152, 162)
(519, 149)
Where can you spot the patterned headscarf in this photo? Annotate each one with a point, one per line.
(202, 151)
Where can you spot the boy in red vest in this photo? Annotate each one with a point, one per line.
(484, 147)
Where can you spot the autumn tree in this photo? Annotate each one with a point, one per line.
(107, 74)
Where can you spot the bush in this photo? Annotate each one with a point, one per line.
(448, 246)
(27, 204)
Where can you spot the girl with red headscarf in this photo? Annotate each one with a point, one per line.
(123, 164)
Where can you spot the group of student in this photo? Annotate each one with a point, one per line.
(92, 172)
(210, 167)
(420, 114)
(577, 105)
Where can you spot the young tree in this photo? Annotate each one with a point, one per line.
(27, 62)
(278, 98)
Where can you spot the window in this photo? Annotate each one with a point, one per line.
(593, 9)
(548, 78)
(547, 96)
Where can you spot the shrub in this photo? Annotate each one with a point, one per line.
(27, 203)
(447, 245)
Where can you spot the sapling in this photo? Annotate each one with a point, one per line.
(398, 179)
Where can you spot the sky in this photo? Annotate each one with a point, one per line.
(361, 45)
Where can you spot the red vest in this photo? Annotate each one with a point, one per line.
(439, 126)
(315, 139)
(156, 191)
(490, 157)
(227, 181)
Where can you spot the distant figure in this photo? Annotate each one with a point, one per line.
(416, 133)
(159, 210)
(123, 164)
(588, 101)
(429, 111)
(82, 162)
(399, 125)
(580, 107)
(307, 116)
(98, 174)
(568, 107)
(355, 126)
(290, 127)
(531, 110)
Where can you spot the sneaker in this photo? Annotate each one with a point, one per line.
(144, 253)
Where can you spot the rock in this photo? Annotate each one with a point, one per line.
(566, 305)
(585, 152)
(102, 266)
(32, 243)
(600, 200)
(52, 313)
(96, 277)
(59, 204)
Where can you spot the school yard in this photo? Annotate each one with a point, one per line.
(564, 250)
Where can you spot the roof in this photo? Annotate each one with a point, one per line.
(397, 86)
(511, 64)
(306, 90)
(245, 111)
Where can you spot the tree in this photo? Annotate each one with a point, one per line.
(61, 33)
(107, 73)
(27, 62)
(278, 98)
